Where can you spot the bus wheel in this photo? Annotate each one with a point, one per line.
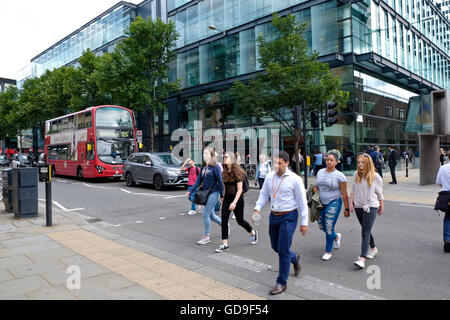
(129, 180)
(79, 173)
(158, 182)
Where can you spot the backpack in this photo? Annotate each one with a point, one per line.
(379, 161)
(245, 185)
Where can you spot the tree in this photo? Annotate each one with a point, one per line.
(135, 74)
(8, 107)
(292, 75)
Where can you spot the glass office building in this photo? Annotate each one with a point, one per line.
(389, 54)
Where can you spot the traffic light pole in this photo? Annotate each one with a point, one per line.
(304, 140)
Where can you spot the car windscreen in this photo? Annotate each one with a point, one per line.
(163, 159)
(114, 151)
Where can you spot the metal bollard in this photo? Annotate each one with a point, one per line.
(406, 158)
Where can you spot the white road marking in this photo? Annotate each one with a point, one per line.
(416, 205)
(333, 290)
(139, 222)
(125, 190)
(172, 197)
(240, 262)
(62, 207)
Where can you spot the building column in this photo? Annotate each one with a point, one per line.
(429, 159)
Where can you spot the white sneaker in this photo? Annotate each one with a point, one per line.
(222, 248)
(359, 263)
(191, 212)
(371, 253)
(326, 257)
(204, 240)
(337, 242)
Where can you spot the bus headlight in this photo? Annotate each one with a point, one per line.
(100, 169)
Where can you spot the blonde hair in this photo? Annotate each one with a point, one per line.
(213, 160)
(368, 172)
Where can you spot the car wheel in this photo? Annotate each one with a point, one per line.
(129, 180)
(158, 182)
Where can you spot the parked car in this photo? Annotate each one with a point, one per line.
(4, 161)
(158, 169)
(21, 160)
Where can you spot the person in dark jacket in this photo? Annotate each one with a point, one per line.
(211, 178)
(392, 163)
(443, 180)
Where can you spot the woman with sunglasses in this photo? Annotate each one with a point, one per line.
(332, 185)
(233, 178)
(367, 201)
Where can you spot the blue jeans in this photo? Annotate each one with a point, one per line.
(217, 208)
(447, 227)
(191, 197)
(327, 221)
(281, 231)
(208, 212)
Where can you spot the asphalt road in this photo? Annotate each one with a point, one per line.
(411, 260)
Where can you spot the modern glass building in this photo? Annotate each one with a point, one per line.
(389, 54)
(100, 35)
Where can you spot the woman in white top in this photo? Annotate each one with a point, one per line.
(367, 201)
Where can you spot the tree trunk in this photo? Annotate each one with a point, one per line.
(297, 158)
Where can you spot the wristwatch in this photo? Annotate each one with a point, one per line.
(347, 209)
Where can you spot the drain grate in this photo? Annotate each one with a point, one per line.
(93, 220)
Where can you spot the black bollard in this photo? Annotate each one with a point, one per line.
(407, 165)
(48, 198)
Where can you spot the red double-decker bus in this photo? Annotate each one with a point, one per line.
(92, 143)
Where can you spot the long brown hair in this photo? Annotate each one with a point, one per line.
(236, 171)
(368, 172)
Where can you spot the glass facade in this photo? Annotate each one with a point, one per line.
(382, 109)
(101, 32)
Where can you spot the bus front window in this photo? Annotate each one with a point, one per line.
(114, 151)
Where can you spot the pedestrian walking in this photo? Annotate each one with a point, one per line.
(367, 201)
(210, 178)
(318, 161)
(392, 163)
(287, 193)
(193, 172)
(233, 178)
(442, 203)
(378, 161)
(217, 207)
(262, 171)
(443, 156)
(332, 185)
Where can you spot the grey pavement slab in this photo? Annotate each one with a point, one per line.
(75, 260)
(133, 293)
(53, 293)
(29, 248)
(14, 261)
(114, 281)
(35, 268)
(60, 276)
(92, 290)
(17, 287)
(7, 228)
(56, 277)
(5, 276)
(24, 241)
(51, 254)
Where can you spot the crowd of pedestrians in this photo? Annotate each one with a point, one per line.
(214, 185)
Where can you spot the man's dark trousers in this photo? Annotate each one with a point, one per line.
(281, 231)
(394, 178)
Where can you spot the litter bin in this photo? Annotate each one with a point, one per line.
(7, 189)
(25, 192)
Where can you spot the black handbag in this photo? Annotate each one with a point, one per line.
(201, 196)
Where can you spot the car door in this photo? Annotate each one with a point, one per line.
(136, 168)
(147, 169)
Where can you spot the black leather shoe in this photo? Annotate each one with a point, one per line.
(447, 246)
(278, 289)
(297, 266)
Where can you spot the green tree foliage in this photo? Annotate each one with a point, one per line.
(8, 108)
(292, 74)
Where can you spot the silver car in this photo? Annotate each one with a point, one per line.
(158, 169)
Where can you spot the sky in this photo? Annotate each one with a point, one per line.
(28, 27)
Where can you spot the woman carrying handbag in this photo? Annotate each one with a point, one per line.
(210, 179)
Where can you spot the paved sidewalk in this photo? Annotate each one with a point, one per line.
(407, 190)
(34, 261)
